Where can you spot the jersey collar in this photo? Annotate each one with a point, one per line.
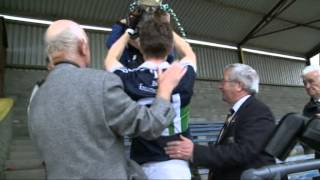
(153, 66)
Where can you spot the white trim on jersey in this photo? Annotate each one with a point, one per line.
(176, 103)
(186, 63)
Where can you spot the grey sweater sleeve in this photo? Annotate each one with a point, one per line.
(125, 117)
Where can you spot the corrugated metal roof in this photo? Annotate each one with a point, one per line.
(102, 12)
(276, 71)
(226, 21)
(26, 48)
(26, 45)
(291, 40)
(211, 61)
(302, 11)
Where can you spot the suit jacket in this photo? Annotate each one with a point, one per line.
(311, 108)
(242, 144)
(78, 119)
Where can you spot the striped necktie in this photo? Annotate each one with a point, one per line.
(226, 124)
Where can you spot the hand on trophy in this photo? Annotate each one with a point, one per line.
(133, 20)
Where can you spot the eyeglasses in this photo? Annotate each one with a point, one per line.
(308, 81)
(223, 81)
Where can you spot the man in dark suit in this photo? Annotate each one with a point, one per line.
(241, 142)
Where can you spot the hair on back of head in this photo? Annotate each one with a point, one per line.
(64, 41)
(246, 75)
(156, 38)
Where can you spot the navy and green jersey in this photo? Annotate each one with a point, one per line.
(141, 85)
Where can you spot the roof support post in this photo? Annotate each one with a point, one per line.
(240, 55)
(313, 52)
(3, 52)
(308, 62)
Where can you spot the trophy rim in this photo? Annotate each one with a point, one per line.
(150, 2)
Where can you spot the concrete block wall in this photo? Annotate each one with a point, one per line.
(19, 84)
(206, 103)
(283, 99)
(207, 100)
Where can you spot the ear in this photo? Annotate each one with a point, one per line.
(239, 86)
(82, 47)
(84, 51)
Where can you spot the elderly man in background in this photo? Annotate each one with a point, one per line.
(79, 115)
(241, 142)
(311, 81)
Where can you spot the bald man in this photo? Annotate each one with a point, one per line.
(79, 115)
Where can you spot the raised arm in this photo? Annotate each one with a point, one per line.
(184, 49)
(115, 52)
(117, 30)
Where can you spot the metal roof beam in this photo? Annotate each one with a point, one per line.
(287, 28)
(273, 13)
(225, 5)
(305, 25)
(314, 51)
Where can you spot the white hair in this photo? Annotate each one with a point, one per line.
(244, 74)
(65, 41)
(310, 68)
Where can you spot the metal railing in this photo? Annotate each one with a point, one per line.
(278, 171)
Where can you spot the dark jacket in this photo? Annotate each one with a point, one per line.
(311, 108)
(242, 143)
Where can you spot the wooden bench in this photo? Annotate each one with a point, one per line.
(205, 132)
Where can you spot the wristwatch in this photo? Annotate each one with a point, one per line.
(130, 31)
(133, 33)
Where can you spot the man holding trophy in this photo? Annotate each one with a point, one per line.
(140, 11)
(156, 40)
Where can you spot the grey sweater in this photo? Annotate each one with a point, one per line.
(78, 119)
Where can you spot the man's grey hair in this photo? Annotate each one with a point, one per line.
(310, 68)
(246, 75)
(65, 41)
